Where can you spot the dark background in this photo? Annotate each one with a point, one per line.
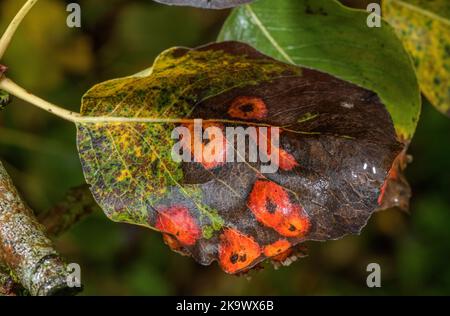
(119, 38)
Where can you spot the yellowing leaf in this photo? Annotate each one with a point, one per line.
(424, 27)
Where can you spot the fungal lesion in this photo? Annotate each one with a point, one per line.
(271, 207)
(238, 257)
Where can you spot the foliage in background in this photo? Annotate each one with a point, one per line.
(424, 26)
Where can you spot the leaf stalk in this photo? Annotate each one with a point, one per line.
(14, 89)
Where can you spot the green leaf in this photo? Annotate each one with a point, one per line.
(325, 35)
(424, 27)
(337, 144)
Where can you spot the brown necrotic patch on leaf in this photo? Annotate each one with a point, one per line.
(336, 160)
(208, 4)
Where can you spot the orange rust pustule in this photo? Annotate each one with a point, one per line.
(283, 256)
(286, 161)
(270, 203)
(177, 222)
(246, 107)
(237, 251)
(172, 242)
(382, 192)
(207, 156)
(279, 250)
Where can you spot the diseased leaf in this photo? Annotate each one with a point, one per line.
(209, 4)
(337, 144)
(325, 35)
(424, 27)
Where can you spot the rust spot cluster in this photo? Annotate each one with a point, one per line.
(269, 202)
(237, 251)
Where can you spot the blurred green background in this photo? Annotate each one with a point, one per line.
(122, 37)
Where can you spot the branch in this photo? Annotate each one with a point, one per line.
(24, 248)
(77, 204)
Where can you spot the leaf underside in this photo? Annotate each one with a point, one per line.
(327, 36)
(337, 142)
(208, 4)
(424, 27)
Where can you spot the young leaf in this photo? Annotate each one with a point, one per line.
(325, 35)
(208, 4)
(424, 27)
(337, 144)
(5, 99)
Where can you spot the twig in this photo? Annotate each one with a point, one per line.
(77, 204)
(12, 28)
(24, 248)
